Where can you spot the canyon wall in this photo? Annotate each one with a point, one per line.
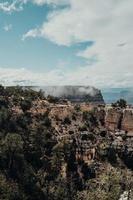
(127, 120)
(121, 119)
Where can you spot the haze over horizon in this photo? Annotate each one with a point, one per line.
(66, 42)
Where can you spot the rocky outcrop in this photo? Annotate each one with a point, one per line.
(127, 121)
(75, 93)
(113, 119)
(121, 119)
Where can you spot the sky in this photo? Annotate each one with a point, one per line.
(66, 42)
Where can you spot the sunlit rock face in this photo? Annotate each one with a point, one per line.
(113, 119)
(121, 119)
(127, 122)
(75, 93)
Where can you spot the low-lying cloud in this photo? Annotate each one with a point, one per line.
(57, 77)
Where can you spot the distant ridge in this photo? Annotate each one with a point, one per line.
(74, 93)
(113, 94)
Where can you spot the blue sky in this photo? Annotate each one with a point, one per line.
(75, 42)
(38, 54)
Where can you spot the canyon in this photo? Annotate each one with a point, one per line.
(60, 140)
(95, 129)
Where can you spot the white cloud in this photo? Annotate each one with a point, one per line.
(23, 76)
(26, 77)
(109, 25)
(12, 6)
(56, 2)
(7, 27)
(18, 77)
(17, 5)
(106, 22)
(32, 33)
(59, 77)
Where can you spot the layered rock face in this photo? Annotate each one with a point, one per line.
(113, 119)
(121, 119)
(127, 120)
(75, 93)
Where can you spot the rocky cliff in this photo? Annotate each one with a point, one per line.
(119, 119)
(75, 93)
(113, 119)
(127, 120)
(47, 146)
(93, 131)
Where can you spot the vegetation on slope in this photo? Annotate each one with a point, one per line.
(35, 165)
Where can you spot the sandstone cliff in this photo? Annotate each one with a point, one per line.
(119, 119)
(113, 119)
(127, 120)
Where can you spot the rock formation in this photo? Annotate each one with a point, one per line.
(127, 120)
(113, 119)
(75, 141)
(119, 119)
(75, 93)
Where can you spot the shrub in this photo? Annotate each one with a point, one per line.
(26, 104)
(120, 103)
(67, 120)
